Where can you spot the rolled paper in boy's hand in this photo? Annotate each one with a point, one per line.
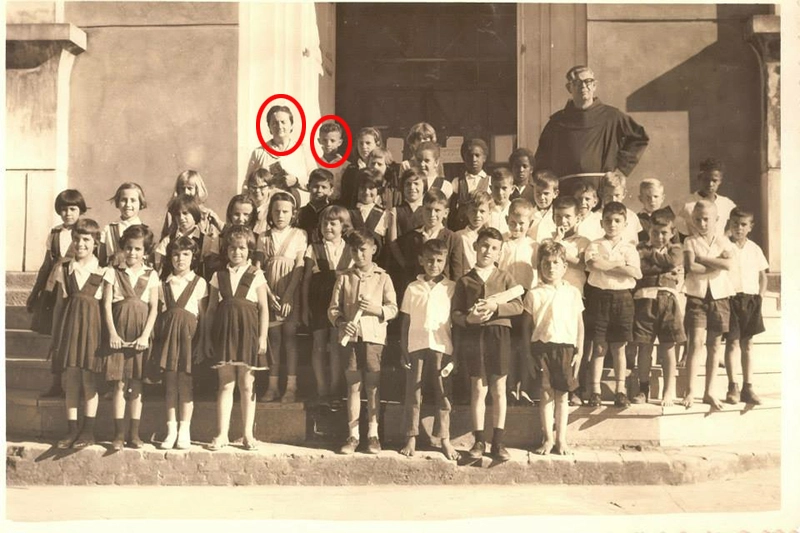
(356, 318)
(506, 296)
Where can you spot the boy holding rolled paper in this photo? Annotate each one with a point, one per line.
(484, 301)
(363, 301)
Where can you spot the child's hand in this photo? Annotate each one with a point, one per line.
(560, 231)
(286, 309)
(351, 329)
(486, 307)
(262, 345)
(369, 307)
(575, 363)
(474, 316)
(140, 344)
(115, 341)
(725, 254)
(274, 302)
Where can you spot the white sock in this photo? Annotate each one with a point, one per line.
(373, 430)
(354, 432)
(291, 382)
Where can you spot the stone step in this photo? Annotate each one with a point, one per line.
(21, 343)
(16, 296)
(21, 280)
(18, 317)
(646, 424)
(36, 463)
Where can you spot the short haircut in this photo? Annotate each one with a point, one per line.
(374, 132)
(182, 243)
(187, 203)
(433, 247)
(279, 109)
(468, 145)
(411, 174)
(547, 249)
(129, 186)
(359, 237)
(368, 179)
(615, 208)
(565, 202)
(428, 146)
(331, 126)
(489, 233)
(231, 233)
(650, 183)
(478, 198)
(584, 186)
(70, 197)
(259, 174)
(520, 206)
(703, 205)
(501, 174)
(137, 231)
(612, 180)
(242, 199)
(662, 217)
(711, 164)
(434, 196)
(518, 154)
(382, 153)
(572, 74)
(281, 196)
(740, 212)
(336, 212)
(320, 174)
(545, 178)
(87, 226)
(191, 175)
(420, 130)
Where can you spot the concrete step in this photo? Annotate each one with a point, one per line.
(647, 424)
(36, 463)
(21, 343)
(21, 280)
(17, 296)
(17, 317)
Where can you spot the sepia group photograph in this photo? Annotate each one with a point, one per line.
(346, 265)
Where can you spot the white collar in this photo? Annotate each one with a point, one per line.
(90, 267)
(188, 277)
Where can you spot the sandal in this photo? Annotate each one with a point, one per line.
(217, 444)
(249, 445)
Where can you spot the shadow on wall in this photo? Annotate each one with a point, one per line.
(720, 89)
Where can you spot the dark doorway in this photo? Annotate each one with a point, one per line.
(452, 65)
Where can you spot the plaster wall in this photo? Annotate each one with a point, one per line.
(688, 76)
(153, 95)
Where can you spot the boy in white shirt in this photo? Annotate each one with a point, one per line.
(426, 344)
(589, 223)
(749, 276)
(553, 323)
(502, 185)
(478, 211)
(709, 257)
(612, 189)
(710, 179)
(545, 190)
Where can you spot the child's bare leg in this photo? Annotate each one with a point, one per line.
(497, 389)
(353, 401)
(561, 417)
(477, 402)
(290, 341)
(318, 360)
(546, 414)
(72, 386)
(337, 373)
(275, 342)
(694, 356)
(118, 399)
(227, 382)
(714, 346)
(667, 351)
(86, 436)
(644, 361)
(525, 382)
(597, 372)
(733, 359)
(748, 395)
(412, 402)
(372, 380)
(171, 396)
(620, 364)
(247, 398)
(444, 406)
(135, 409)
(186, 397)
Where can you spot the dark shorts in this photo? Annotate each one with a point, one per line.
(361, 356)
(486, 350)
(746, 320)
(554, 361)
(660, 318)
(610, 316)
(712, 315)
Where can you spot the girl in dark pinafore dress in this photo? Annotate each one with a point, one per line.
(238, 320)
(130, 299)
(77, 329)
(322, 262)
(177, 341)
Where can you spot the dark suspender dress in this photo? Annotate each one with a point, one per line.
(235, 327)
(175, 331)
(129, 316)
(80, 329)
(322, 283)
(42, 320)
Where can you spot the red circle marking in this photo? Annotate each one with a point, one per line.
(321, 161)
(302, 121)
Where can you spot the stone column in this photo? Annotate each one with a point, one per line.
(40, 52)
(763, 34)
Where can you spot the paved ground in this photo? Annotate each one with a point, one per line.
(757, 490)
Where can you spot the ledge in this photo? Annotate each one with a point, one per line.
(69, 36)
